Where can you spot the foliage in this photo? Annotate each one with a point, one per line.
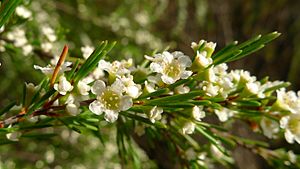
(169, 99)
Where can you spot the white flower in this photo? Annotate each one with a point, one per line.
(132, 89)
(149, 87)
(18, 37)
(225, 82)
(23, 12)
(211, 90)
(139, 130)
(13, 136)
(291, 124)
(221, 69)
(83, 88)
(216, 152)
(2, 43)
(48, 70)
(242, 76)
(253, 88)
(198, 113)
(171, 67)
(209, 47)
(269, 127)
(110, 100)
(155, 114)
(181, 89)
(224, 113)
(27, 49)
(63, 86)
(188, 128)
(287, 101)
(72, 109)
(292, 156)
(87, 51)
(201, 60)
(115, 68)
(2, 29)
(49, 33)
(46, 46)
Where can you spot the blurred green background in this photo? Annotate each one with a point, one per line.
(140, 27)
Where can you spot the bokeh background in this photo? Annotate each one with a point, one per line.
(140, 27)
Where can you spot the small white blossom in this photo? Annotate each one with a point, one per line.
(27, 49)
(48, 70)
(209, 47)
(46, 46)
(188, 128)
(110, 100)
(224, 114)
(2, 43)
(181, 89)
(72, 109)
(242, 76)
(171, 67)
(269, 127)
(49, 33)
(291, 124)
(87, 51)
(2, 29)
(149, 87)
(198, 113)
(155, 114)
(115, 68)
(131, 89)
(287, 101)
(63, 86)
(139, 130)
(201, 60)
(18, 37)
(216, 152)
(292, 156)
(23, 12)
(211, 90)
(253, 88)
(83, 88)
(13, 136)
(221, 69)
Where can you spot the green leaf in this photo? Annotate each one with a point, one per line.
(7, 108)
(6, 10)
(39, 135)
(234, 52)
(93, 60)
(71, 73)
(282, 85)
(210, 136)
(250, 103)
(155, 93)
(175, 98)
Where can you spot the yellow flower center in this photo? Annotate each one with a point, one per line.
(294, 124)
(172, 69)
(110, 100)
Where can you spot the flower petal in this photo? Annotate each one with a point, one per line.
(96, 107)
(98, 87)
(126, 103)
(167, 57)
(118, 86)
(184, 61)
(167, 79)
(289, 136)
(186, 74)
(110, 116)
(155, 67)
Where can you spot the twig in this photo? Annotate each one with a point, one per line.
(58, 65)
